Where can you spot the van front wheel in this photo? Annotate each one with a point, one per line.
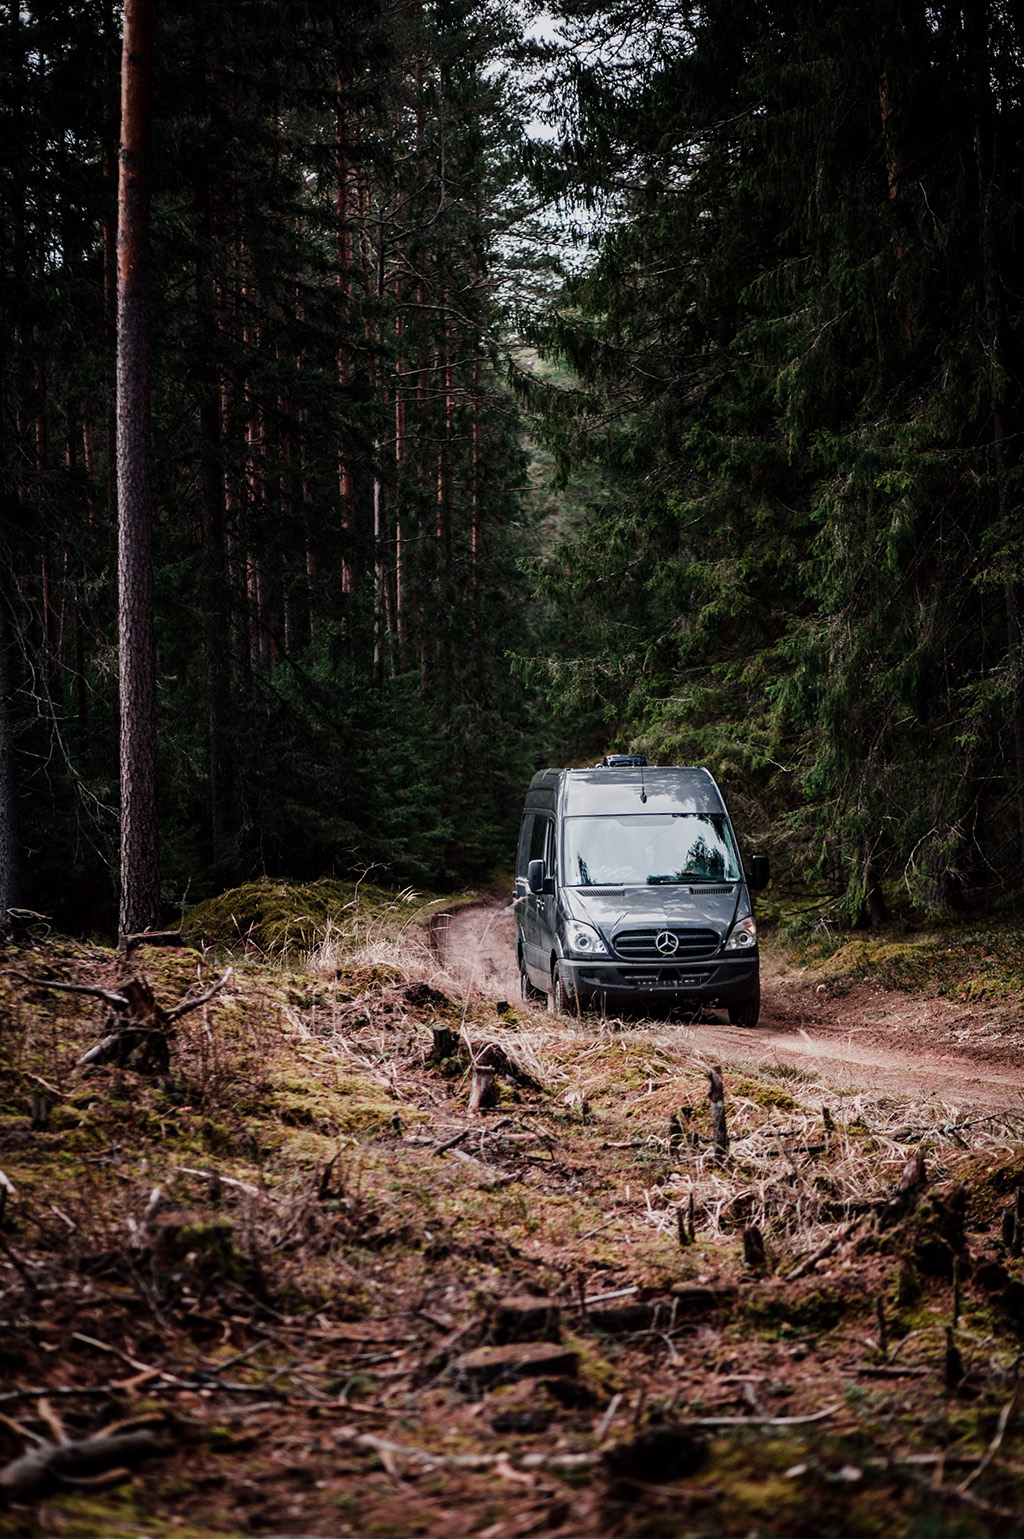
(746, 1012)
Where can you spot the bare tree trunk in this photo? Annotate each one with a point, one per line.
(215, 575)
(401, 628)
(8, 833)
(110, 172)
(140, 874)
(986, 150)
(343, 254)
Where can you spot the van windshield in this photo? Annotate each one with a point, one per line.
(634, 849)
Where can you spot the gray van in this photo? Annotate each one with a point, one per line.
(630, 893)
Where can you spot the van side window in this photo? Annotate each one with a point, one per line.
(523, 852)
(541, 841)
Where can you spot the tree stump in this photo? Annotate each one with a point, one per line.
(716, 1096)
(137, 1029)
(489, 1366)
(488, 1063)
(446, 1043)
(754, 1254)
(483, 1092)
(526, 1318)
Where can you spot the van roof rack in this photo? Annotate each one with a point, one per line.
(616, 761)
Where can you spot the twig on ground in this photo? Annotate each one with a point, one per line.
(609, 1413)
(1005, 1414)
(761, 1422)
(449, 1144)
(226, 1181)
(822, 1252)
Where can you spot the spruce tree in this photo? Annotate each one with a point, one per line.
(797, 356)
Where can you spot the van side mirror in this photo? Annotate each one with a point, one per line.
(759, 873)
(536, 879)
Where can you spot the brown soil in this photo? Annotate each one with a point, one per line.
(856, 1037)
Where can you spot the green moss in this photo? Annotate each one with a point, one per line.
(799, 1315)
(763, 1095)
(966, 962)
(274, 917)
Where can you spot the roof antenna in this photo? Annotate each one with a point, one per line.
(643, 788)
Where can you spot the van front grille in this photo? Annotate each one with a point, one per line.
(692, 945)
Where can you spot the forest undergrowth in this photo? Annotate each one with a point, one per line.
(304, 1279)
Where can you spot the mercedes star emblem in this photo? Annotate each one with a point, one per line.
(666, 943)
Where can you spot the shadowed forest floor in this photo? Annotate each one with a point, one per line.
(306, 1291)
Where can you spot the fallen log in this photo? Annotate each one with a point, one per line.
(128, 943)
(77, 1457)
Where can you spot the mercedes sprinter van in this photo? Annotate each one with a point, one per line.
(630, 893)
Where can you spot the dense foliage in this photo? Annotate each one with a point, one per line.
(796, 365)
(336, 462)
(799, 363)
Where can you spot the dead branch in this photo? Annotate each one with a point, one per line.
(191, 1003)
(109, 995)
(449, 1144)
(30, 1392)
(1006, 1412)
(823, 1251)
(77, 1457)
(384, 1447)
(761, 1422)
(145, 1029)
(226, 1181)
(128, 943)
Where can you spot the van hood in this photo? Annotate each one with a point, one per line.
(675, 904)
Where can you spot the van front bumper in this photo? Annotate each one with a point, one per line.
(614, 983)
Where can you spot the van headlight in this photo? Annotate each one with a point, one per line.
(743, 935)
(585, 939)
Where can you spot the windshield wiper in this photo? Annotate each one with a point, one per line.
(688, 877)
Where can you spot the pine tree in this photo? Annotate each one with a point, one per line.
(335, 461)
(140, 872)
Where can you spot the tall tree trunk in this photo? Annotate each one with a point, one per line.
(8, 834)
(343, 257)
(140, 874)
(110, 178)
(215, 581)
(976, 52)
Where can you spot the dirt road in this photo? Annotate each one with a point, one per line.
(864, 1038)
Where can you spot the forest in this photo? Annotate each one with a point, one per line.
(398, 397)
(524, 383)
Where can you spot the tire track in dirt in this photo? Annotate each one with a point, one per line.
(857, 1038)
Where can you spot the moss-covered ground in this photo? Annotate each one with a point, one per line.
(279, 1254)
(975, 958)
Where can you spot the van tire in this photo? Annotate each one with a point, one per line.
(563, 1003)
(527, 993)
(746, 1012)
